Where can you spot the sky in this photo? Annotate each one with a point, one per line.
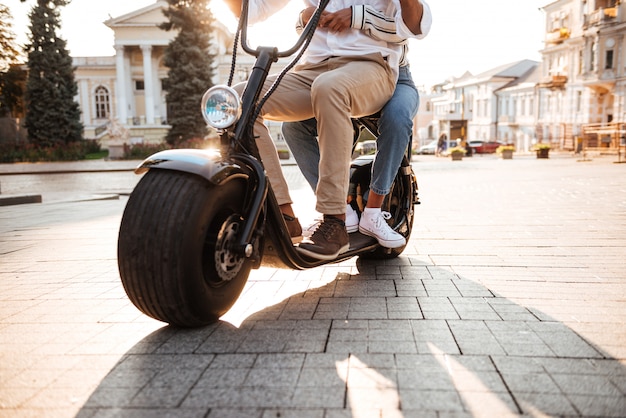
(473, 36)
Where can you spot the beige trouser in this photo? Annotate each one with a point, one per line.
(333, 92)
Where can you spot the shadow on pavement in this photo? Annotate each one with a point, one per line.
(418, 342)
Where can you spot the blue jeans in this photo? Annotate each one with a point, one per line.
(395, 128)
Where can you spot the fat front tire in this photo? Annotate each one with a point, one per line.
(174, 253)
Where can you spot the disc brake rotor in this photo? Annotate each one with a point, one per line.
(228, 262)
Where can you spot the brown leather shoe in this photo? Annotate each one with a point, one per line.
(294, 228)
(328, 241)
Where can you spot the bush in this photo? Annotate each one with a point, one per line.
(143, 151)
(503, 148)
(25, 152)
(540, 145)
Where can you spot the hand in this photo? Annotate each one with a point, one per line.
(336, 21)
(306, 14)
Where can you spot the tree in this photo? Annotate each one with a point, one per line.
(11, 76)
(8, 48)
(52, 115)
(190, 67)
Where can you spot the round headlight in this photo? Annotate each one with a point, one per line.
(221, 106)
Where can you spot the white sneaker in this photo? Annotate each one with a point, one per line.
(352, 220)
(375, 225)
(308, 231)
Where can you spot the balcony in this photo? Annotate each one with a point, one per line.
(557, 36)
(506, 119)
(556, 81)
(600, 16)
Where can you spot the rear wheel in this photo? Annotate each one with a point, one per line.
(174, 248)
(400, 204)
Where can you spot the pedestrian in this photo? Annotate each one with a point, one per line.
(441, 144)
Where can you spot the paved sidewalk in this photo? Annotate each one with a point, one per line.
(509, 301)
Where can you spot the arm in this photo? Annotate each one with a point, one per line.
(234, 6)
(258, 10)
(412, 12)
(374, 23)
(412, 20)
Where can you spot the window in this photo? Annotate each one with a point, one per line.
(139, 86)
(103, 108)
(581, 60)
(592, 61)
(608, 60)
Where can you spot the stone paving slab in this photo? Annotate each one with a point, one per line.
(509, 301)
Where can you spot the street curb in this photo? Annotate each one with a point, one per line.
(19, 199)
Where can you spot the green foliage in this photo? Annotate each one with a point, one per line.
(540, 146)
(11, 92)
(503, 148)
(141, 151)
(9, 52)
(52, 115)
(11, 76)
(12, 152)
(190, 67)
(457, 150)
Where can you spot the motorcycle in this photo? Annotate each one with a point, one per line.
(199, 221)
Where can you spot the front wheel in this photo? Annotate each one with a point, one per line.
(174, 247)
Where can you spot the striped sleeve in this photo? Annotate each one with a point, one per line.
(375, 24)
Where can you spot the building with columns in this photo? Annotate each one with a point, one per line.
(128, 86)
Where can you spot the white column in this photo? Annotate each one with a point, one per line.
(148, 83)
(85, 102)
(120, 69)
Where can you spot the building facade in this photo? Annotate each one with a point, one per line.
(128, 88)
(583, 82)
(573, 99)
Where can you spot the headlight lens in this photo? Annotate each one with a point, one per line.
(221, 106)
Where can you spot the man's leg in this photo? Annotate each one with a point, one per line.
(301, 137)
(355, 86)
(295, 92)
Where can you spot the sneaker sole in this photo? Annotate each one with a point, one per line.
(352, 228)
(319, 256)
(387, 244)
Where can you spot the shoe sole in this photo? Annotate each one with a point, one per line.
(325, 257)
(387, 244)
(352, 228)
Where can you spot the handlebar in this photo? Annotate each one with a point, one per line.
(308, 31)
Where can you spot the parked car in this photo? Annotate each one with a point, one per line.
(429, 148)
(484, 147)
(364, 148)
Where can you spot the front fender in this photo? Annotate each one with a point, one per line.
(205, 163)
